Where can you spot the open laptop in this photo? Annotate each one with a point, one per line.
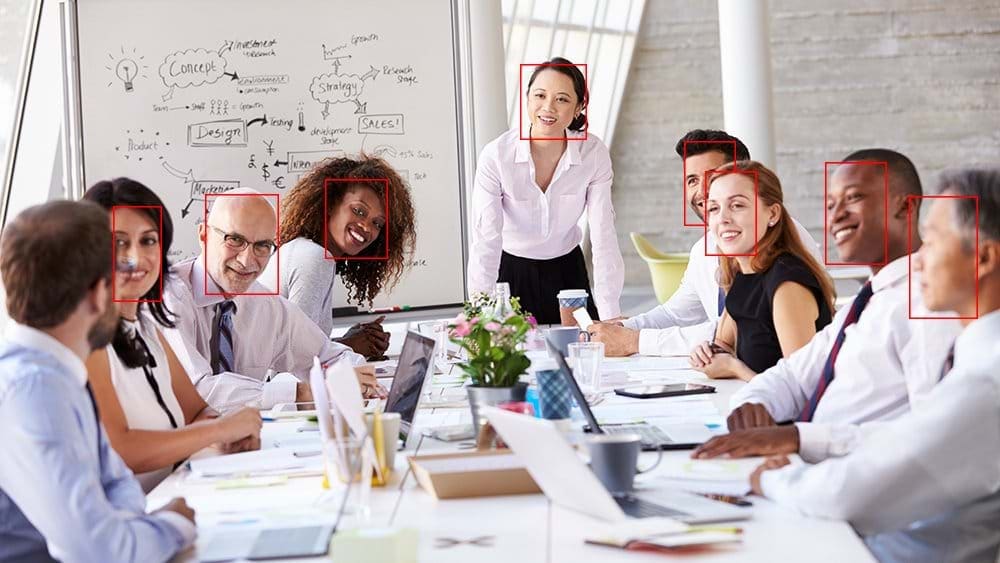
(406, 391)
(654, 437)
(567, 481)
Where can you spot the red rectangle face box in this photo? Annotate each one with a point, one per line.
(912, 203)
(522, 100)
(712, 174)
(885, 213)
(115, 224)
(331, 184)
(685, 200)
(209, 248)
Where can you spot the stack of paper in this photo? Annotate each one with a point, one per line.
(271, 461)
(719, 476)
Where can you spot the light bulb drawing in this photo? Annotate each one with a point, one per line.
(126, 71)
(127, 68)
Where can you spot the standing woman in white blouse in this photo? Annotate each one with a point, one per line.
(148, 405)
(529, 196)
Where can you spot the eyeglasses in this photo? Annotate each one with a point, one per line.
(261, 248)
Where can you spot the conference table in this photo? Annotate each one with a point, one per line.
(523, 528)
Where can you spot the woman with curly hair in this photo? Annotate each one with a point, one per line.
(368, 233)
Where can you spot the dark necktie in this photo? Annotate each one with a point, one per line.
(722, 301)
(97, 418)
(949, 362)
(222, 337)
(859, 304)
(149, 362)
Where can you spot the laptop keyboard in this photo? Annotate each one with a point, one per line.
(648, 433)
(286, 542)
(638, 508)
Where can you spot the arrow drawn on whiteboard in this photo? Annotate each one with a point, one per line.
(362, 107)
(261, 120)
(226, 45)
(188, 176)
(370, 74)
(169, 95)
(326, 110)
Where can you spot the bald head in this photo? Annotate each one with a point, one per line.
(238, 238)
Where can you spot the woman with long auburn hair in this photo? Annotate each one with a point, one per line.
(360, 209)
(777, 295)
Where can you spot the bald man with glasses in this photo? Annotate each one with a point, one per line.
(240, 344)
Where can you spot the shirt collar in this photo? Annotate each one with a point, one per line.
(522, 150)
(977, 339)
(37, 340)
(199, 280)
(892, 273)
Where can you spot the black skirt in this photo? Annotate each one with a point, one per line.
(537, 282)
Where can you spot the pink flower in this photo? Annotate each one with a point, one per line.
(475, 320)
(459, 319)
(461, 329)
(493, 326)
(532, 321)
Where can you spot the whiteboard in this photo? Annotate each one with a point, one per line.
(195, 97)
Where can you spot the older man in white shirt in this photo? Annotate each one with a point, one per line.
(926, 486)
(690, 315)
(232, 335)
(872, 363)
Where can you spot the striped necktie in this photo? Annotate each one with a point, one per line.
(222, 346)
(949, 362)
(824, 382)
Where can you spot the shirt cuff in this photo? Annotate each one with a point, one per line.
(609, 310)
(631, 324)
(774, 485)
(281, 389)
(649, 342)
(814, 441)
(184, 527)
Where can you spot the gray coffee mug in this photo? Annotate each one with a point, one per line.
(562, 337)
(614, 459)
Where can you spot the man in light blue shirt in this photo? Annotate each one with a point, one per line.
(64, 493)
(926, 486)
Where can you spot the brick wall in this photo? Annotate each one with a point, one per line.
(919, 77)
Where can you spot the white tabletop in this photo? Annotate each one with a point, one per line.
(520, 528)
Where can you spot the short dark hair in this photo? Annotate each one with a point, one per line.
(563, 66)
(983, 183)
(51, 255)
(700, 141)
(900, 167)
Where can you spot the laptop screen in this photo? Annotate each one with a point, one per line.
(581, 401)
(414, 361)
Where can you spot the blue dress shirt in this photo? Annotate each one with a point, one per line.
(64, 492)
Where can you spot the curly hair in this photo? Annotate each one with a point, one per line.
(302, 215)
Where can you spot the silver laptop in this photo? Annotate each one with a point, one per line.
(567, 481)
(407, 389)
(654, 437)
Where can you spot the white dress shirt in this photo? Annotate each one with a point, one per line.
(926, 483)
(269, 334)
(690, 315)
(887, 363)
(511, 213)
(136, 396)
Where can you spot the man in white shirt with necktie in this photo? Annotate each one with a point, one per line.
(233, 333)
(872, 363)
(926, 486)
(690, 315)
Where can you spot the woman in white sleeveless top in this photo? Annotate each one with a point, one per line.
(149, 407)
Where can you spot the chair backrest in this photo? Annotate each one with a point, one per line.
(665, 270)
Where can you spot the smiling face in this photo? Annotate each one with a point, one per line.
(552, 104)
(731, 209)
(947, 264)
(356, 221)
(137, 253)
(855, 213)
(694, 174)
(249, 217)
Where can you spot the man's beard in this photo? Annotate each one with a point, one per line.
(104, 328)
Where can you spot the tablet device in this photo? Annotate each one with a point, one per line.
(657, 391)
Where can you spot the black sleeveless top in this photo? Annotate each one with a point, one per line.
(750, 301)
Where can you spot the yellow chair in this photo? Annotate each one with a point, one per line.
(666, 270)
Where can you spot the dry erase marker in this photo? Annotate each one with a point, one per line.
(727, 499)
